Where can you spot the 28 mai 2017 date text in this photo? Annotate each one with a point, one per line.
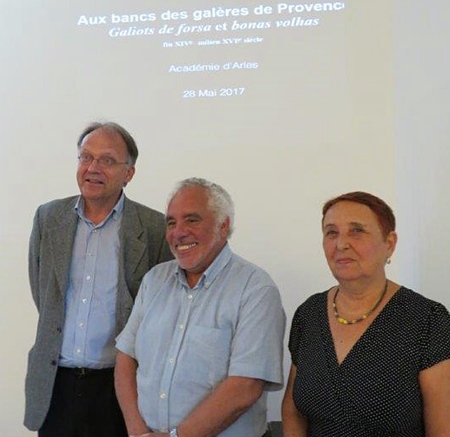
(214, 92)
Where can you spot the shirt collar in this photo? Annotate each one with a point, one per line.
(115, 213)
(211, 273)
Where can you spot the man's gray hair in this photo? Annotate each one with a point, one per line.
(219, 201)
(113, 128)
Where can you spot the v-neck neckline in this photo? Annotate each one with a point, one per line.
(328, 336)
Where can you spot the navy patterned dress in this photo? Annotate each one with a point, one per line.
(375, 390)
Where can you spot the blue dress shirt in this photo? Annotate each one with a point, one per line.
(187, 340)
(89, 327)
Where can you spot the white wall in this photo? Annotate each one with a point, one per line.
(395, 148)
(422, 160)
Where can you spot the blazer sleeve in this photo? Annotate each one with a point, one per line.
(33, 258)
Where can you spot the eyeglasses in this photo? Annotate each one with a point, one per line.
(102, 161)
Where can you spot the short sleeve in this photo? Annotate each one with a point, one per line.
(305, 326)
(257, 350)
(294, 336)
(435, 341)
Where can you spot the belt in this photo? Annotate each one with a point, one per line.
(83, 372)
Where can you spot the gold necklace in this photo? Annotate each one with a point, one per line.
(344, 321)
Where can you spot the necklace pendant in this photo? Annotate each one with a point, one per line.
(342, 320)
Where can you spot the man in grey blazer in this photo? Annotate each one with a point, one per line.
(87, 257)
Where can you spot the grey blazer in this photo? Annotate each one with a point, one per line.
(143, 245)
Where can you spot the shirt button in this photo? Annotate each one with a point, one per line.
(190, 296)
(172, 360)
(81, 324)
(78, 351)
(84, 300)
(181, 326)
(162, 395)
(88, 277)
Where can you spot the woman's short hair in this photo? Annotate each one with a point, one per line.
(379, 207)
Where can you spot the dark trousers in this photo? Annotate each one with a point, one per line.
(84, 404)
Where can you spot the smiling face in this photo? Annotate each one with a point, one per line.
(194, 236)
(101, 186)
(353, 242)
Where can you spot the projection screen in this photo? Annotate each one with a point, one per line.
(285, 104)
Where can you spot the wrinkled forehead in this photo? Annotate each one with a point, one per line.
(188, 200)
(104, 139)
(347, 213)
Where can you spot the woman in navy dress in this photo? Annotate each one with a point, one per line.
(369, 357)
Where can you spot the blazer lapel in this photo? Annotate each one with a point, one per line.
(61, 238)
(133, 247)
